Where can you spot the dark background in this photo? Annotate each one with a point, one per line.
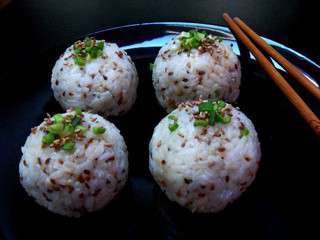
(28, 28)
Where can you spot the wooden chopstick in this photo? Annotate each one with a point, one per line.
(279, 80)
(292, 70)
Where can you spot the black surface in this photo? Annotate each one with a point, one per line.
(278, 200)
(29, 27)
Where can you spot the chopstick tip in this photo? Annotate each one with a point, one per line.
(237, 19)
(226, 16)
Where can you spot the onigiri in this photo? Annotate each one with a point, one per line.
(74, 163)
(204, 155)
(97, 76)
(195, 64)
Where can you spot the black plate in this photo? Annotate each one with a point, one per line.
(142, 211)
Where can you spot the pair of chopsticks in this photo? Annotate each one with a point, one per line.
(242, 31)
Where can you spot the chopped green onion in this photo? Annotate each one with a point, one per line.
(63, 128)
(215, 106)
(78, 110)
(223, 119)
(201, 123)
(79, 61)
(88, 42)
(244, 132)
(151, 66)
(99, 53)
(91, 49)
(58, 118)
(82, 128)
(206, 106)
(70, 117)
(68, 130)
(100, 45)
(215, 115)
(48, 138)
(98, 130)
(212, 118)
(226, 119)
(68, 146)
(194, 38)
(77, 50)
(219, 117)
(56, 128)
(76, 121)
(172, 117)
(191, 39)
(93, 52)
(173, 126)
(221, 104)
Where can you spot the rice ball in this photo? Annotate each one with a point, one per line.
(207, 68)
(104, 82)
(79, 169)
(200, 164)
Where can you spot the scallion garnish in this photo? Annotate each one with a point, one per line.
(206, 106)
(68, 146)
(82, 128)
(79, 61)
(195, 38)
(48, 138)
(87, 50)
(226, 119)
(191, 39)
(244, 132)
(57, 118)
(56, 128)
(68, 130)
(221, 104)
(172, 117)
(219, 117)
(78, 110)
(63, 130)
(98, 130)
(214, 113)
(173, 126)
(76, 121)
(88, 42)
(212, 118)
(201, 123)
(100, 45)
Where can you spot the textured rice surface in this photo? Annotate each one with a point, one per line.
(204, 169)
(105, 85)
(83, 180)
(182, 76)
